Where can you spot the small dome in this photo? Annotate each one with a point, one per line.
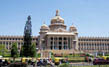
(57, 18)
(72, 26)
(44, 26)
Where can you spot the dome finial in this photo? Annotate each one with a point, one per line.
(57, 12)
(72, 23)
(44, 22)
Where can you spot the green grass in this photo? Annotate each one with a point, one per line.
(64, 65)
(76, 59)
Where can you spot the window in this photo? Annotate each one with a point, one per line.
(65, 38)
(60, 42)
(51, 42)
(51, 38)
(55, 38)
(1, 38)
(60, 38)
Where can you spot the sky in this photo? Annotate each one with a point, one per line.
(91, 17)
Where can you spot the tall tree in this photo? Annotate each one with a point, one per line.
(27, 38)
(14, 51)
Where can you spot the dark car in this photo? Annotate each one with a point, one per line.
(5, 63)
(1, 62)
(100, 61)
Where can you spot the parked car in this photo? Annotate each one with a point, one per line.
(100, 61)
(4, 61)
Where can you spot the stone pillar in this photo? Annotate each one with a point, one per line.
(62, 43)
(53, 43)
(48, 45)
(5, 45)
(8, 45)
(104, 47)
(95, 46)
(76, 38)
(71, 42)
(57, 46)
(67, 42)
(79, 46)
(83, 46)
(47, 42)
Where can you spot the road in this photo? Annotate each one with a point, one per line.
(81, 64)
(72, 64)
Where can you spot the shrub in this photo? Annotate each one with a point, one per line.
(64, 65)
(18, 65)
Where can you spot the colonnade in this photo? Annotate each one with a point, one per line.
(60, 42)
(8, 44)
(94, 46)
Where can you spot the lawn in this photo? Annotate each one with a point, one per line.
(76, 59)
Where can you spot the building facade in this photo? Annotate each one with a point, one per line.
(57, 39)
(55, 36)
(93, 44)
(9, 40)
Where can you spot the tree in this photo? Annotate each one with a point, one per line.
(27, 38)
(33, 50)
(14, 51)
(3, 50)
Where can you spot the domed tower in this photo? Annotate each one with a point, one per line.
(57, 22)
(73, 29)
(44, 29)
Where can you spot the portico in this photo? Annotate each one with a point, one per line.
(60, 42)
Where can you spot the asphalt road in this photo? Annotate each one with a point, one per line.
(72, 64)
(28, 66)
(81, 64)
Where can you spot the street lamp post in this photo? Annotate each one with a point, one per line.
(36, 55)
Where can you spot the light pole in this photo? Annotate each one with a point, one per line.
(36, 55)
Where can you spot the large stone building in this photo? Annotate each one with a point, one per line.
(57, 39)
(9, 40)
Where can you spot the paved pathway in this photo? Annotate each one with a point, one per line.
(81, 64)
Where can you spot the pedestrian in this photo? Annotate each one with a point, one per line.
(33, 64)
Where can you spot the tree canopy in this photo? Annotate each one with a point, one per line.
(14, 50)
(3, 50)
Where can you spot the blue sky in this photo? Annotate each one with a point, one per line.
(91, 17)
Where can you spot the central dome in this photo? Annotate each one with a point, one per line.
(57, 19)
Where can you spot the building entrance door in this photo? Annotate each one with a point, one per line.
(60, 47)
